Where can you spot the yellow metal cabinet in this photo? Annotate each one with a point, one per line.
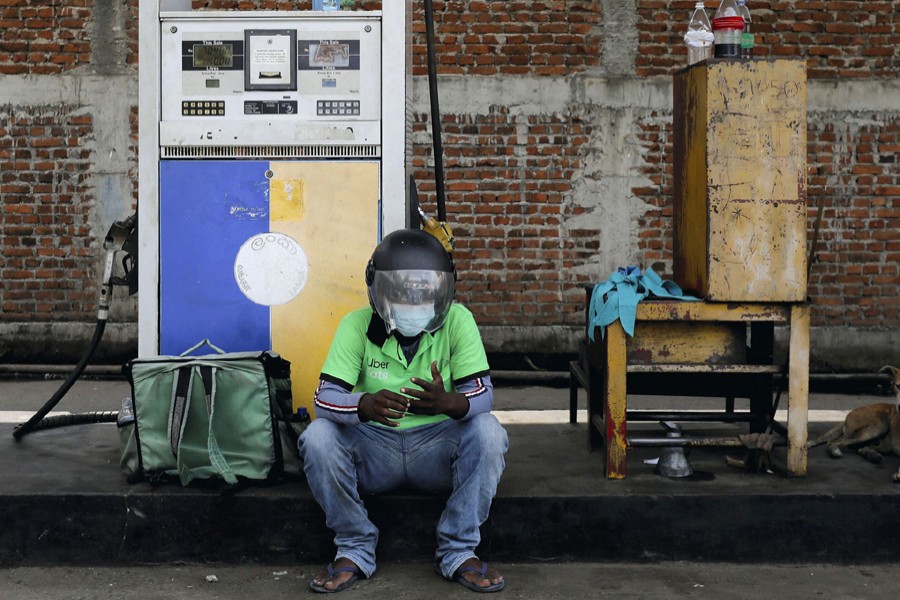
(740, 180)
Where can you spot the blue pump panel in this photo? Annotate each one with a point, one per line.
(208, 210)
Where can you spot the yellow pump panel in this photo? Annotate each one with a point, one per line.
(331, 210)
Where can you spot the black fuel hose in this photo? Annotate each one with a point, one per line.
(38, 420)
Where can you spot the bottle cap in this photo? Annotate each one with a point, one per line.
(728, 23)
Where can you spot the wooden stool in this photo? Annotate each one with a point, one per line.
(700, 343)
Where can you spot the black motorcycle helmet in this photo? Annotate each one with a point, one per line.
(411, 282)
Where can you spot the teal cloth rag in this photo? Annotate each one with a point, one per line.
(618, 297)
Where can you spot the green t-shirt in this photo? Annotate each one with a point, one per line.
(363, 358)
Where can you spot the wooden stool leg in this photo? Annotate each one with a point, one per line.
(614, 395)
(798, 390)
(573, 395)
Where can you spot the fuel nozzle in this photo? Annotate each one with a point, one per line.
(121, 238)
(438, 229)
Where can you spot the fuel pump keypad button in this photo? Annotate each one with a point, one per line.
(193, 108)
(337, 107)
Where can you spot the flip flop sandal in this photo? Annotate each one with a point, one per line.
(458, 577)
(331, 572)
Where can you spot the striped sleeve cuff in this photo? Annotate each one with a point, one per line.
(337, 404)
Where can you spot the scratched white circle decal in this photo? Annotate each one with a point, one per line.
(271, 268)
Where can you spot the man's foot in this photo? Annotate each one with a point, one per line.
(477, 576)
(336, 577)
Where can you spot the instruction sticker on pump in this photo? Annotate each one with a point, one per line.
(271, 62)
(270, 107)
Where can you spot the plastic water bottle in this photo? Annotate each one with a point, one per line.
(728, 26)
(747, 40)
(699, 37)
(326, 4)
(126, 414)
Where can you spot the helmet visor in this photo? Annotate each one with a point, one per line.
(412, 301)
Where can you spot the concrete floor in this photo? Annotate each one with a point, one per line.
(64, 500)
(416, 581)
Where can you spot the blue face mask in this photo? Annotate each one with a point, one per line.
(412, 319)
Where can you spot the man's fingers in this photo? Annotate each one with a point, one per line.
(393, 397)
(394, 408)
(422, 407)
(388, 416)
(427, 386)
(401, 406)
(393, 400)
(419, 394)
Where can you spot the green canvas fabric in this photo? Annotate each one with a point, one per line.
(229, 430)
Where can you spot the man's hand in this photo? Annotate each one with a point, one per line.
(382, 406)
(433, 399)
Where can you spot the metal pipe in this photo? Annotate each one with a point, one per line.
(724, 417)
(435, 114)
(658, 442)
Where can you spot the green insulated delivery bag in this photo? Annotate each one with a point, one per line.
(222, 415)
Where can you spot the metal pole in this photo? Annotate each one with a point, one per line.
(662, 442)
(435, 114)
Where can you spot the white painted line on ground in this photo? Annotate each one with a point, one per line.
(21, 416)
(507, 417)
(549, 417)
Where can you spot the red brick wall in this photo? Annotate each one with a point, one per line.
(655, 236)
(853, 171)
(506, 183)
(46, 200)
(513, 38)
(39, 39)
(510, 178)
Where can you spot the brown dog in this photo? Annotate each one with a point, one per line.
(874, 428)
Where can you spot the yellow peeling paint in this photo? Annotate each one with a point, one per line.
(286, 199)
(683, 343)
(331, 210)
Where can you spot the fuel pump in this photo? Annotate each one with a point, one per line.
(273, 158)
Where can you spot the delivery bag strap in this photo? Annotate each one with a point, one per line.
(181, 398)
(204, 342)
(178, 421)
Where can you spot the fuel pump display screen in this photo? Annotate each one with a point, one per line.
(206, 55)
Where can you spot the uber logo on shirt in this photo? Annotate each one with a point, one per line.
(377, 369)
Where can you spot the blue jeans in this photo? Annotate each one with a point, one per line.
(464, 457)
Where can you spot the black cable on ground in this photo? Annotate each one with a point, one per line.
(106, 416)
(37, 421)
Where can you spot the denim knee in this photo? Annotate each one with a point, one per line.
(319, 441)
(486, 432)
